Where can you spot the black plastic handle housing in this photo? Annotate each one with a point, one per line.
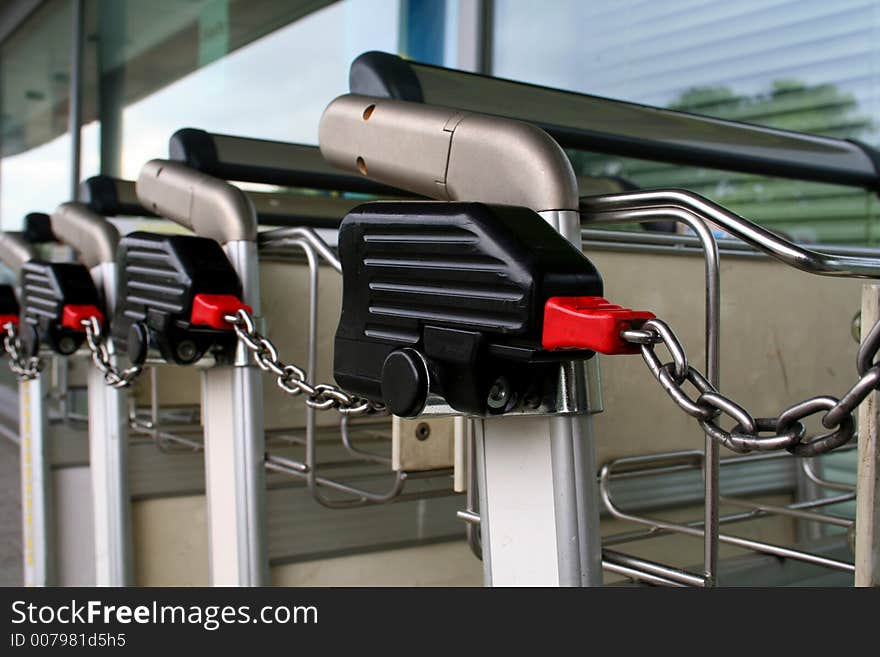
(449, 296)
(8, 302)
(159, 277)
(46, 288)
(38, 228)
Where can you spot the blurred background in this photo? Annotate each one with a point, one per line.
(128, 73)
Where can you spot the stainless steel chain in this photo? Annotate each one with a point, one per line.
(292, 379)
(113, 376)
(25, 368)
(785, 431)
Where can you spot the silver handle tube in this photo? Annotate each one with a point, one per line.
(207, 206)
(88, 233)
(446, 154)
(623, 207)
(15, 251)
(605, 125)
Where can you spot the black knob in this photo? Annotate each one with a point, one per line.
(138, 342)
(405, 382)
(30, 339)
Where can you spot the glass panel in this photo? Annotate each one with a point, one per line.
(35, 74)
(807, 66)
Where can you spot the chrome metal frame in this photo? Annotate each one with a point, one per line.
(643, 206)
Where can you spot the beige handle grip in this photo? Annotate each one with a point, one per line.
(15, 251)
(446, 154)
(88, 233)
(206, 205)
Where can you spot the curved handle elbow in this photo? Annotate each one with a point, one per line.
(206, 205)
(88, 233)
(15, 251)
(446, 154)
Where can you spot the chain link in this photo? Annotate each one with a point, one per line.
(113, 376)
(786, 431)
(292, 379)
(26, 368)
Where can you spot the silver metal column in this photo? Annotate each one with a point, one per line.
(235, 452)
(108, 459)
(36, 484)
(578, 430)
(868, 483)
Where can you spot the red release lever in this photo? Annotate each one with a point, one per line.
(8, 319)
(589, 323)
(72, 316)
(210, 310)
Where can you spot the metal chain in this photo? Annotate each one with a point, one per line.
(113, 376)
(25, 368)
(786, 431)
(292, 379)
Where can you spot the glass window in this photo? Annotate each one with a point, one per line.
(275, 87)
(35, 74)
(808, 66)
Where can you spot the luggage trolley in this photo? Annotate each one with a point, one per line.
(221, 212)
(581, 121)
(51, 295)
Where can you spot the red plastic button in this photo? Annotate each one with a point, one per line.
(8, 319)
(72, 316)
(210, 310)
(589, 323)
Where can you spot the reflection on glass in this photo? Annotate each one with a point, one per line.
(274, 88)
(800, 66)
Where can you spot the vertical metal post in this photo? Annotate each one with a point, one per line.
(36, 484)
(539, 498)
(74, 125)
(868, 482)
(235, 452)
(108, 462)
(578, 430)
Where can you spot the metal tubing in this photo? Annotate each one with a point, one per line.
(605, 125)
(108, 462)
(868, 482)
(36, 484)
(794, 513)
(15, 251)
(246, 159)
(95, 240)
(447, 154)
(314, 247)
(712, 353)
(451, 155)
(638, 575)
(235, 451)
(668, 573)
(760, 238)
(76, 92)
(756, 546)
